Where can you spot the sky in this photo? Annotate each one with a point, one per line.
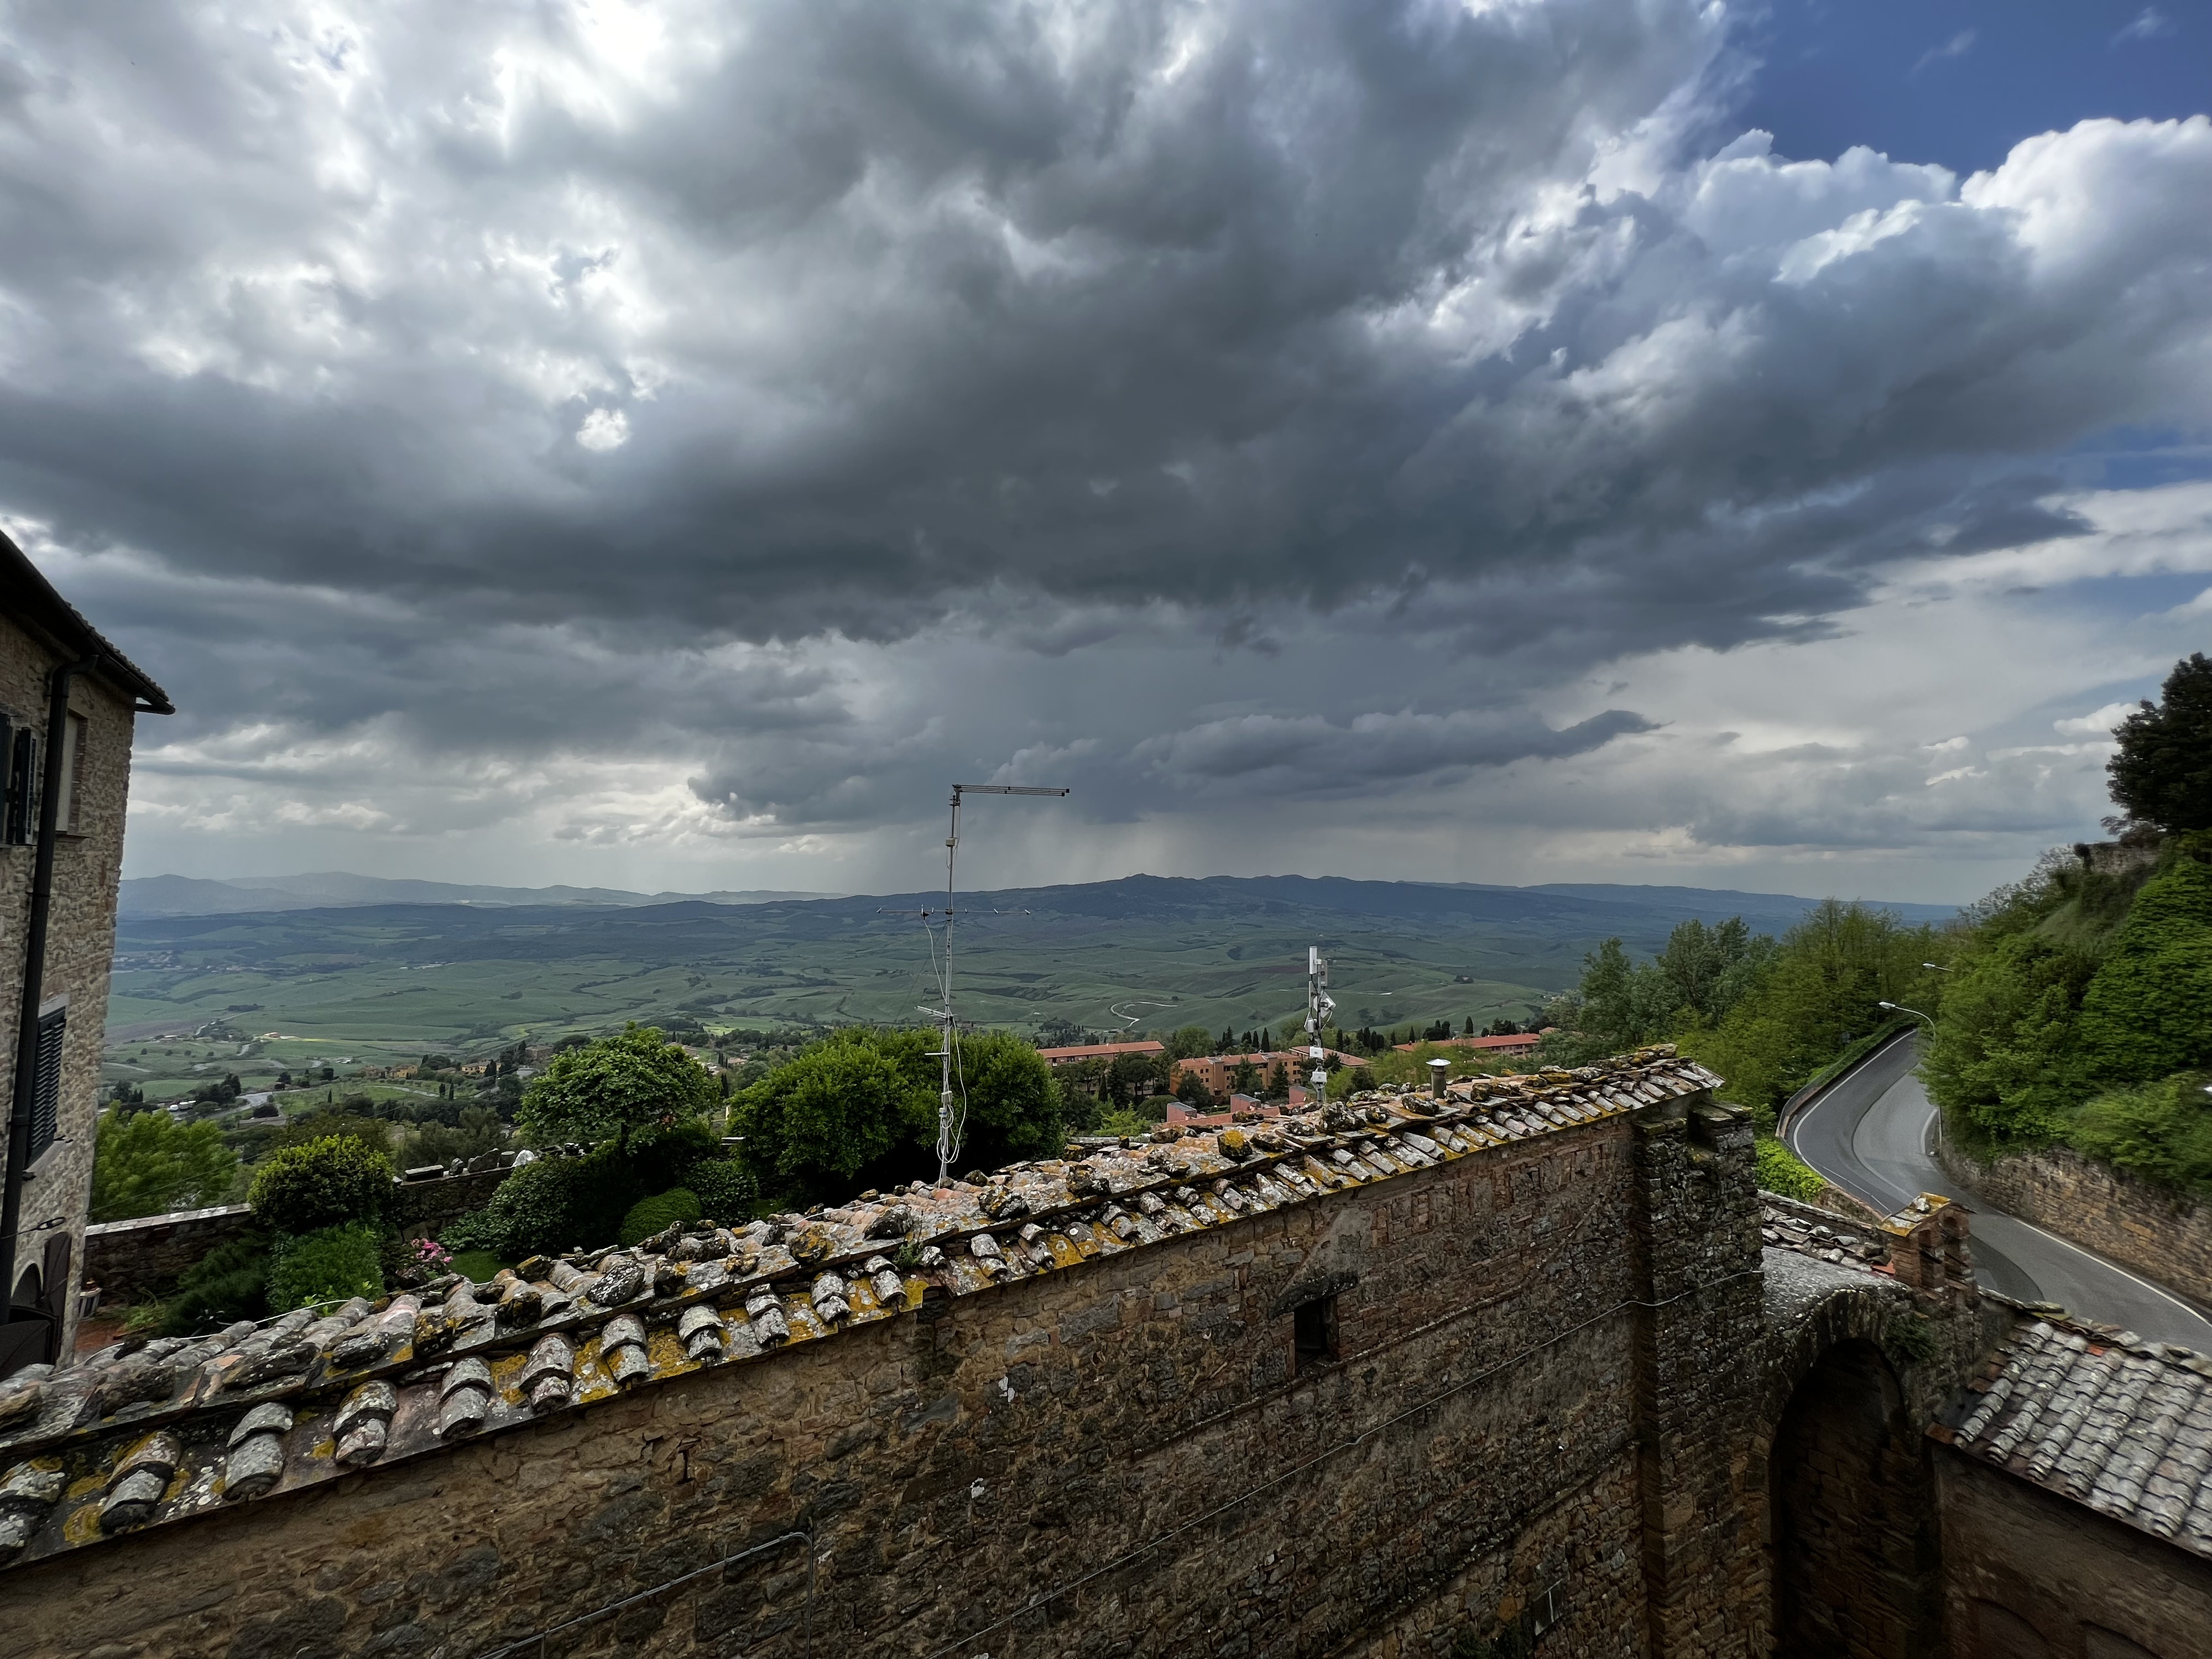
(666, 446)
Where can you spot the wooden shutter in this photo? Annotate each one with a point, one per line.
(46, 1083)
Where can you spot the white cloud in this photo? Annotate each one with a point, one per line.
(604, 429)
(2097, 725)
(2150, 24)
(1957, 46)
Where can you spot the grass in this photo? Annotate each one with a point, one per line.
(478, 1265)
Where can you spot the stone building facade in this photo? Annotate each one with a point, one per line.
(40, 634)
(1534, 1370)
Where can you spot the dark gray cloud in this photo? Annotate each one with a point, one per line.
(816, 397)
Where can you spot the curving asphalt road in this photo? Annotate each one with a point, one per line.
(1870, 1133)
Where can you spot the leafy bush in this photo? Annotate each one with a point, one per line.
(329, 1265)
(148, 1164)
(2148, 1012)
(229, 1284)
(325, 1184)
(2161, 1131)
(858, 1109)
(727, 1190)
(1781, 1170)
(651, 1215)
(632, 1086)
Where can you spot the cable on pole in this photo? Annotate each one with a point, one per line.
(1319, 1007)
(950, 1129)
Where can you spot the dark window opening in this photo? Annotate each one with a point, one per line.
(1547, 1608)
(46, 1083)
(1313, 1333)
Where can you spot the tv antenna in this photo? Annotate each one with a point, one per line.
(949, 1127)
(1319, 1007)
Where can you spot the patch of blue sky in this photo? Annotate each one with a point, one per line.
(2139, 458)
(2123, 597)
(1961, 82)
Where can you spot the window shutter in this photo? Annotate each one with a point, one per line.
(46, 1083)
(22, 815)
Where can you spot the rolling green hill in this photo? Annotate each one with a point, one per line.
(379, 981)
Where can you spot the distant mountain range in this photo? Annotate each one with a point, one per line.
(190, 895)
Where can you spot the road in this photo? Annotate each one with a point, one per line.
(1870, 1133)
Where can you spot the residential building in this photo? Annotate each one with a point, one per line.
(1524, 1043)
(69, 701)
(1068, 1056)
(1219, 1072)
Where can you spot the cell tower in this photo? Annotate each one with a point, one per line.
(1319, 1007)
(949, 1127)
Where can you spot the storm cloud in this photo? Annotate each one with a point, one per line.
(735, 417)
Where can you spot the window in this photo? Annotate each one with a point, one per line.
(65, 813)
(19, 815)
(1314, 1333)
(1547, 1608)
(46, 1083)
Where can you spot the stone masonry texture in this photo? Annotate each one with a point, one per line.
(1120, 1455)
(2161, 1235)
(81, 939)
(1587, 1392)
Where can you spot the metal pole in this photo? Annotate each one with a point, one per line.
(944, 1147)
(947, 1148)
(1319, 1007)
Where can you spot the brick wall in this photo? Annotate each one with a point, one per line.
(2162, 1236)
(81, 939)
(1532, 1418)
(2028, 1575)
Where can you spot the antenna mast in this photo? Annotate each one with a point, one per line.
(1319, 1007)
(948, 1143)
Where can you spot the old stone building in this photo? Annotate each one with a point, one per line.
(1532, 1369)
(68, 704)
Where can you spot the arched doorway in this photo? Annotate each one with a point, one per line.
(1854, 1516)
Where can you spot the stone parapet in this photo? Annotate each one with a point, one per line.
(1086, 1408)
(2161, 1235)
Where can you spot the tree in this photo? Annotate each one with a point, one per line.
(1244, 1076)
(148, 1164)
(636, 1085)
(2162, 775)
(858, 1109)
(837, 1108)
(1191, 1089)
(1189, 1042)
(1132, 1077)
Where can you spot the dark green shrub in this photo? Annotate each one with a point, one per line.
(330, 1265)
(663, 1210)
(325, 1184)
(229, 1284)
(1781, 1170)
(727, 1190)
(2160, 1131)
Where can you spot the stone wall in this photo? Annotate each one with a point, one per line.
(1531, 1423)
(80, 945)
(2028, 1575)
(140, 1260)
(2143, 1227)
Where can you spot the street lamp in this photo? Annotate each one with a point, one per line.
(1899, 1007)
(1937, 966)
